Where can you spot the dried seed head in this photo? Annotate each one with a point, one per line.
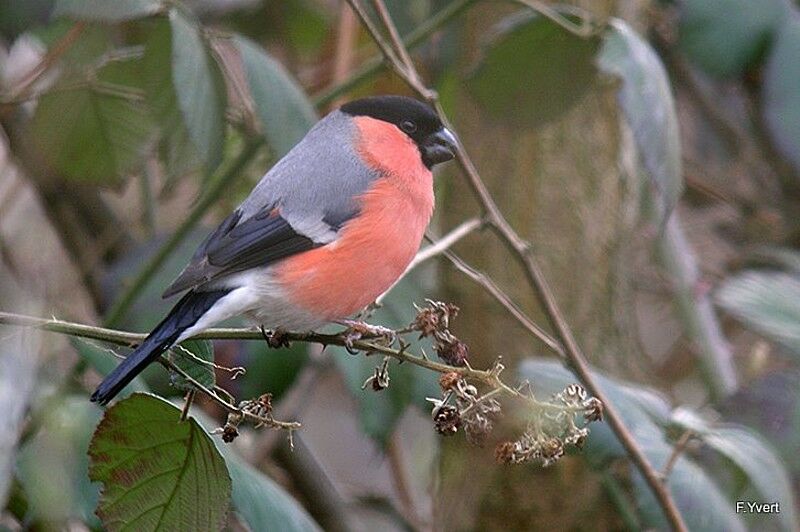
(229, 433)
(593, 409)
(435, 318)
(505, 452)
(426, 322)
(446, 420)
(575, 391)
(449, 380)
(379, 384)
(572, 395)
(452, 350)
(577, 437)
(551, 450)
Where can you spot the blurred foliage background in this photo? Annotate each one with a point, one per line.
(651, 155)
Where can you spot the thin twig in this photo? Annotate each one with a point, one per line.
(520, 249)
(505, 300)
(680, 446)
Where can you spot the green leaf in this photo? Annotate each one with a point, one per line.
(106, 10)
(158, 473)
(198, 87)
(263, 505)
(533, 70)
(649, 109)
(190, 357)
(768, 302)
(725, 37)
(752, 455)
(285, 112)
(94, 133)
(781, 94)
(178, 152)
(52, 466)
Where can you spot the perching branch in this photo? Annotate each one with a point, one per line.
(521, 250)
(369, 344)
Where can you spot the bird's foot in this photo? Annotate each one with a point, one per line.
(276, 338)
(359, 330)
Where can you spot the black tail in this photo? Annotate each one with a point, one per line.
(182, 316)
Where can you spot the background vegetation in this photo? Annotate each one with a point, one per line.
(649, 151)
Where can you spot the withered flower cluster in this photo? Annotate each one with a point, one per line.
(434, 321)
(461, 406)
(551, 430)
(261, 408)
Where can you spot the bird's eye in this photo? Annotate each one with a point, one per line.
(408, 126)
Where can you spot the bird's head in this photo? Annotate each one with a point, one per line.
(417, 120)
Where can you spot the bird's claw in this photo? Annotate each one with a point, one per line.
(359, 330)
(276, 338)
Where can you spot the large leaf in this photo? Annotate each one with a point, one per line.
(179, 154)
(107, 10)
(701, 501)
(198, 87)
(781, 98)
(283, 109)
(158, 473)
(725, 37)
(533, 70)
(94, 133)
(52, 466)
(769, 302)
(649, 109)
(264, 505)
(753, 456)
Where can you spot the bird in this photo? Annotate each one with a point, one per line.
(330, 227)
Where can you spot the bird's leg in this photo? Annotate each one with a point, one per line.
(276, 338)
(357, 330)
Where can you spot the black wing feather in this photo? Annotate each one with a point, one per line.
(239, 245)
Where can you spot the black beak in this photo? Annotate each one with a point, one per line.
(439, 147)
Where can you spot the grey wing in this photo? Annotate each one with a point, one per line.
(297, 206)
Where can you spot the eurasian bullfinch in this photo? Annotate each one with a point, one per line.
(327, 230)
